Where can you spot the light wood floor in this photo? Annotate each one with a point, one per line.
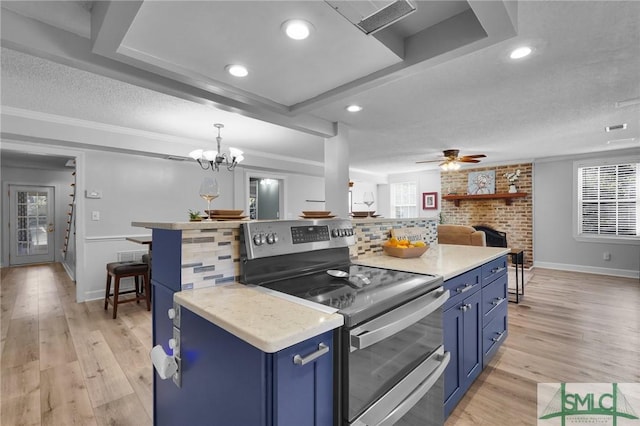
(65, 363)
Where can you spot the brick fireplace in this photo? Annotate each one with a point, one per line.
(514, 218)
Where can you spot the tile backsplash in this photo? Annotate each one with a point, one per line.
(212, 256)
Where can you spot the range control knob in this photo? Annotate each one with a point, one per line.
(334, 233)
(258, 239)
(272, 238)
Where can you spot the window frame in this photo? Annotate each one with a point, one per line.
(392, 199)
(614, 239)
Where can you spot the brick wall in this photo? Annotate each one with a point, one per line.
(516, 219)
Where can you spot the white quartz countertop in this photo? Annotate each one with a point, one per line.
(447, 260)
(203, 224)
(265, 321)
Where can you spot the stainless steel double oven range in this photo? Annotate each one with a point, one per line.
(389, 357)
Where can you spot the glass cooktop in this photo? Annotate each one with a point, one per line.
(363, 293)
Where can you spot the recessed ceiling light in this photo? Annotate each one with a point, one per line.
(237, 70)
(297, 29)
(354, 108)
(520, 52)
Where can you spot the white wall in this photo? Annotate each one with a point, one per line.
(59, 180)
(427, 181)
(553, 224)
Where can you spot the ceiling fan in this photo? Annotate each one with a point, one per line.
(451, 160)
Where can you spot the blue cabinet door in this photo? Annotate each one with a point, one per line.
(462, 335)
(304, 393)
(452, 334)
(472, 336)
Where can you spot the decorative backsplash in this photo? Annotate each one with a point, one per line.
(212, 256)
(370, 235)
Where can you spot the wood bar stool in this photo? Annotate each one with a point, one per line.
(119, 270)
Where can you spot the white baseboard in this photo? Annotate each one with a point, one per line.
(69, 271)
(588, 269)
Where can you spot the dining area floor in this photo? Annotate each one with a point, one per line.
(69, 363)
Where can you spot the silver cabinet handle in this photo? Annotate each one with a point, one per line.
(322, 349)
(500, 336)
(464, 288)
(496, 270)
(497, 301)
(397, 320)
(465, 307)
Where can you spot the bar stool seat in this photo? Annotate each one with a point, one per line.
(118, 270)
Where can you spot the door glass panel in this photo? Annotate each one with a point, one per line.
(31, 237)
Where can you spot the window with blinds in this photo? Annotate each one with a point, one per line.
(608, 200)
(404, 200)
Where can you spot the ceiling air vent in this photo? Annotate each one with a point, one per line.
(372, 20)
(616, 127)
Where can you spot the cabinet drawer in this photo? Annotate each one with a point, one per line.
(494, 333)
(493, 270)
(494, 296)
(462, 286)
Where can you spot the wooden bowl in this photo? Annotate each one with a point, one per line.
(224, 212)
(405, 252)
(315, 213)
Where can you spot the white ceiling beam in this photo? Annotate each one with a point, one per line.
(38, 39)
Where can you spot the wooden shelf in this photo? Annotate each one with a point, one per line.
(507, 197)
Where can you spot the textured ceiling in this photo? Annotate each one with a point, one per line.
(471, 97)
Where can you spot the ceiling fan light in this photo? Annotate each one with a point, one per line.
(455, 166)
(196, 154)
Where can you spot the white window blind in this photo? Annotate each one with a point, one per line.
(609, 200)
(403, 199)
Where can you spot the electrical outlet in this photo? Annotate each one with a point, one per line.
(606, 255)
(95, 215)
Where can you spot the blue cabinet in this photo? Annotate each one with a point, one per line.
(463, 338)
(225, 380)
(475, 325)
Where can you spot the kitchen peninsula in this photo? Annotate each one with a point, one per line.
(252, 336)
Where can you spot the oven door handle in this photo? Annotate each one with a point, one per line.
(409, 402)
(397, 320)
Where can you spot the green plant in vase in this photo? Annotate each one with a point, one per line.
(194, 216)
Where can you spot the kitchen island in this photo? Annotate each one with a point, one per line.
(247, 338)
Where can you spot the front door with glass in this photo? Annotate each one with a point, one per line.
(31, 224)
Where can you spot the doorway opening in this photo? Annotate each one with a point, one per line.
(265, 197)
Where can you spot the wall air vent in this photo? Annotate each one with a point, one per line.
(372, 20)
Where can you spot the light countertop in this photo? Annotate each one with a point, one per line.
(267, 322)
(271, 323)
(447, 260)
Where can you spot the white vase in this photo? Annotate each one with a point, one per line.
(512, 189)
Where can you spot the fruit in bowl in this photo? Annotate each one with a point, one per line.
(404, 248)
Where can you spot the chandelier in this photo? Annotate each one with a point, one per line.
(213, 159)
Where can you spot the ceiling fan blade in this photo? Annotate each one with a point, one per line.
(429, 161)
(474, 156)
(467, 160)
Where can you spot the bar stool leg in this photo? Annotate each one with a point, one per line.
(106, 295)
(138, 289)
(116, 291)
(147, 289)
